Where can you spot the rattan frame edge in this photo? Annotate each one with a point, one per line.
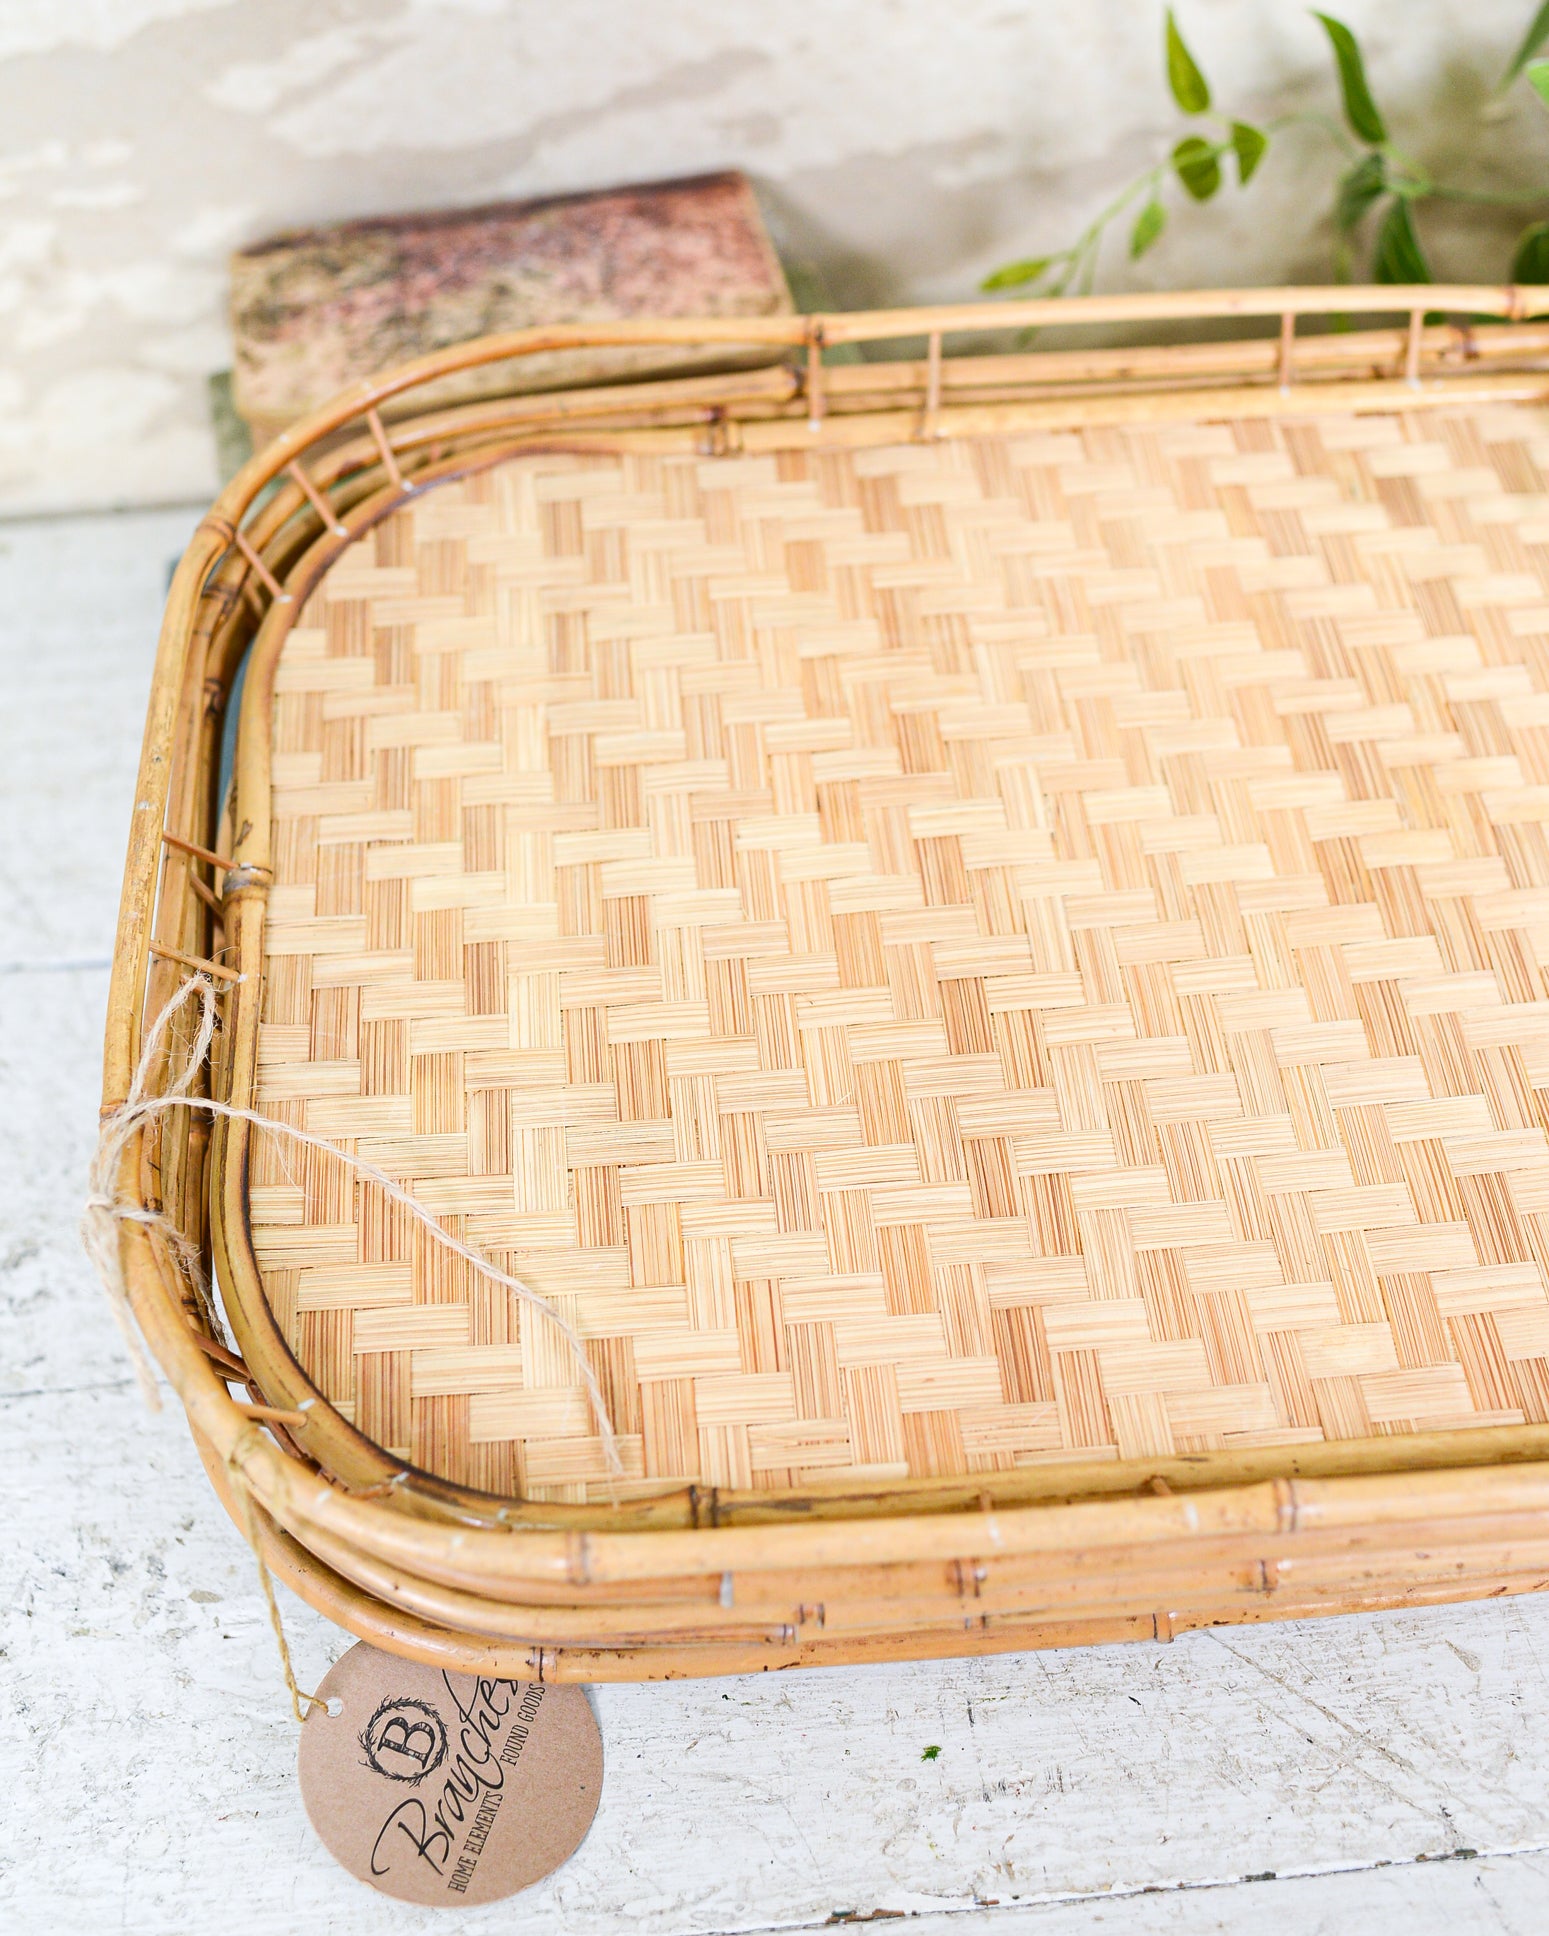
(177, 768)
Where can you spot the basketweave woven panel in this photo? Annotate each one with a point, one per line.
(933, 958)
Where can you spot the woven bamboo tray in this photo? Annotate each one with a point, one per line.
(974, 926)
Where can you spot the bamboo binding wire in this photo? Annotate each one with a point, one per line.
(914, 902)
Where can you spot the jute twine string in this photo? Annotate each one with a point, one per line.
(105, 1210)
(301, 1702)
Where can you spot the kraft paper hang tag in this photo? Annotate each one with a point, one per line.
(442, 1788)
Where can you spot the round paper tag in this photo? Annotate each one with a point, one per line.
(441, 1788)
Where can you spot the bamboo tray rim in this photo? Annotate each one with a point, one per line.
(224, 567)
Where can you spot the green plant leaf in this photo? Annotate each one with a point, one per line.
(1190, 88)
(1358, 190)
(1198, 167)
(1250, 144)
(1531, 262)
(1398, 256)
(1532, 40)
(1149, 224)
(1538, 74)
(1016, 275)
(1360, 108)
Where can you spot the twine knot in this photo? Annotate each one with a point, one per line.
(105, 1209)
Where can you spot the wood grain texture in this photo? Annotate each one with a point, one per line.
(934, 958)
(314, 312)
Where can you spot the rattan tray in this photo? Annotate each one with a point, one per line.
(975, 926)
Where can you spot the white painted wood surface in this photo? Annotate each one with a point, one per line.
(146, 1750)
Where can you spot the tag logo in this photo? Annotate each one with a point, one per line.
(437, 1787)
(405, 1739)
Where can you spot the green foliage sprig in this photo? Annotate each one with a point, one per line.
(1375, 176)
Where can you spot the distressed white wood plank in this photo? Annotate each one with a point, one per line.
(1493, 1896)
(139, 1653)
(147, 1756)
(50, 1063)
(80, 604)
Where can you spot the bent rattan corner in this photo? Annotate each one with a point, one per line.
(975, 921)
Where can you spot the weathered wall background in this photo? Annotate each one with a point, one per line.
(901, 147)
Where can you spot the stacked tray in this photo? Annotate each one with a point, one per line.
(970, 931)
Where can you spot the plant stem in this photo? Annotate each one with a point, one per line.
(1529, 198)
(1081, 257)
(1402, 176)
